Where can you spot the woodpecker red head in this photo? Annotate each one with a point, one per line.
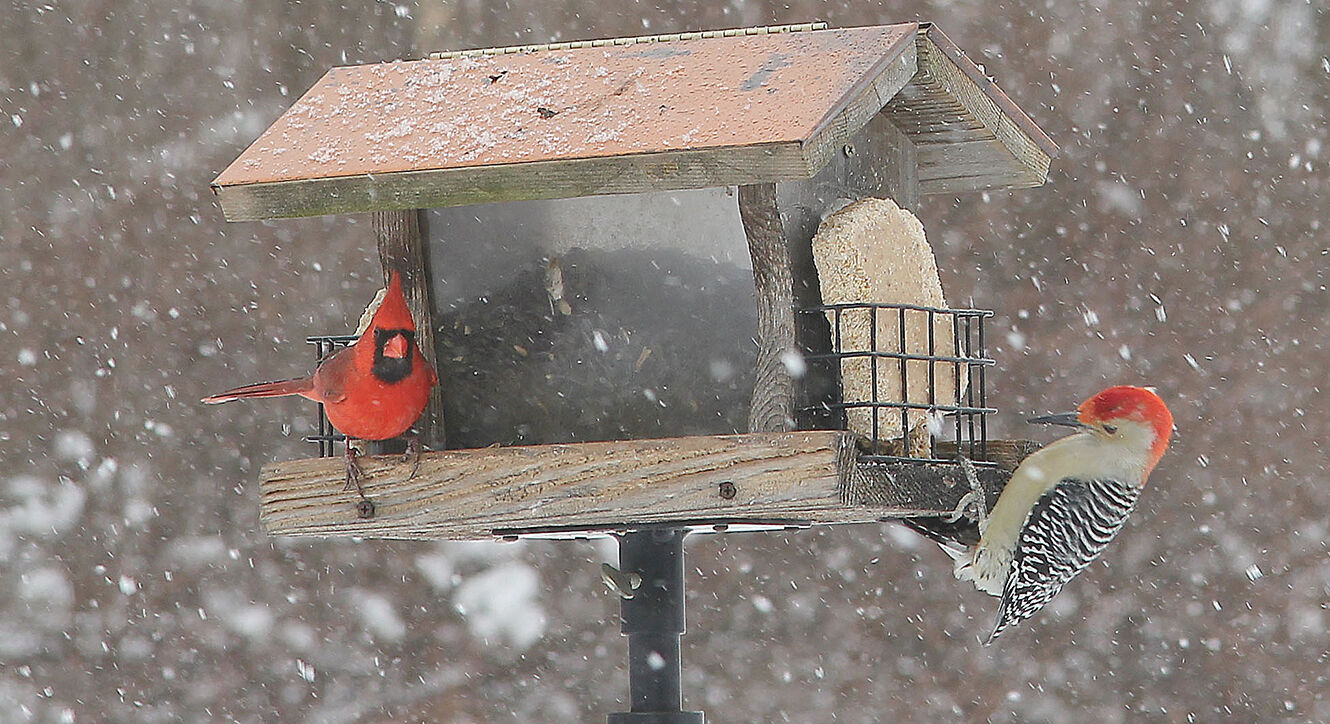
(1133, 418)
(1133, 406)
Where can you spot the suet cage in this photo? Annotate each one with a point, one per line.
(956, 413)
(324, 435)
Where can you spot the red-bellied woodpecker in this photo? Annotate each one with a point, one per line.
(1063, 504)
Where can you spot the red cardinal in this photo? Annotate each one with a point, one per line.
(374, 389)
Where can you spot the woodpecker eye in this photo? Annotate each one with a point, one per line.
(1110, 429)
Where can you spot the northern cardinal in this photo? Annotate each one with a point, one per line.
(374, 389)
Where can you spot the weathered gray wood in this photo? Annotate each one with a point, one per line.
(435, 188)
(938, 488)
(968, 134)
(974, 154)
(402, 249)
(805, 477)
(1007, 454)
(891, 156)
(931, 489)
(878, 161)
(829, 141)
(969, 182)
(773, 388)
(468, 494)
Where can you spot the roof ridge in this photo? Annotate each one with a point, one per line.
(663, 38)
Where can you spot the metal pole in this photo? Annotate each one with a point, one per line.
(653, 620)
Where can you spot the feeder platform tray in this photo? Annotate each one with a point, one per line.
(599, 488)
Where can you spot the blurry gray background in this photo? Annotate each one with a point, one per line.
(1180, 242)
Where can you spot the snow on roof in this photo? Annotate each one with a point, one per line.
(575, 119)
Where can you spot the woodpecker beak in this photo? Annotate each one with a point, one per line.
(1069, 419)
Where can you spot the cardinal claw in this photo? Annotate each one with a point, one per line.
(354, 474)
(412, 455)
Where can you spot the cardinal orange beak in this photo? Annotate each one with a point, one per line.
(396, 347)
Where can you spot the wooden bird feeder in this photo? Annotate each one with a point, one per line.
(610, 250)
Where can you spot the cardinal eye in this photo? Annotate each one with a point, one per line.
(1110, 429)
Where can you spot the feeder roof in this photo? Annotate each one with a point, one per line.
(627, 116)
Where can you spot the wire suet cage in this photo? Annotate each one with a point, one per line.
(922, 369)
(325, 435)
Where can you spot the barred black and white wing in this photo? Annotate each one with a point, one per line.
(1068, 528)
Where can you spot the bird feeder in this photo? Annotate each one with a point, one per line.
(670, 284)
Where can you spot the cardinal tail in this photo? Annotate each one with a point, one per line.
(281, 388)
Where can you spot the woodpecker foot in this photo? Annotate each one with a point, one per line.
(974, 499)
(962, 507)
(412, 454)
(354, 474)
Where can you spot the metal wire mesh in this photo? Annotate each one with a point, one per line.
(957, 410)
(326, 437)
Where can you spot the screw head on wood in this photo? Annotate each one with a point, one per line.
(727, 490)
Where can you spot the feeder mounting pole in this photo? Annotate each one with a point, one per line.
(653, 621)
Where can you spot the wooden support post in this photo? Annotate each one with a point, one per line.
(402, 249)
(773, 388)
(878, 161)
(888, 158)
